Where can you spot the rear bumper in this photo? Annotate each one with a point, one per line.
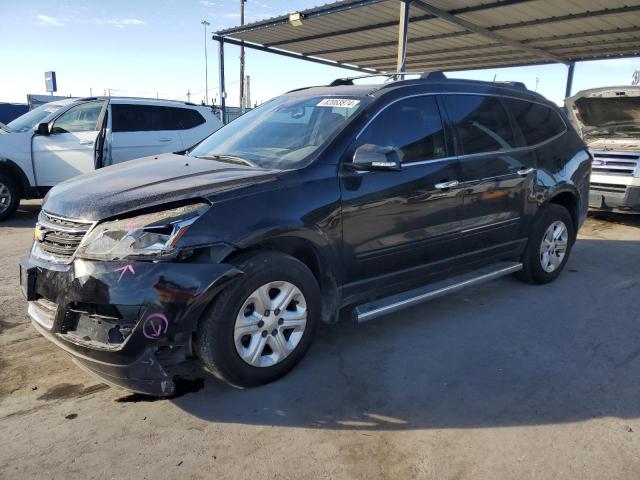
(615, 198)
(124, 322)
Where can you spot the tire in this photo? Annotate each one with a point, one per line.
(219, 341)
(538, 268)
(9, 197)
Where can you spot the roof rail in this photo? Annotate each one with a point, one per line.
(390, 76)
(518, 85)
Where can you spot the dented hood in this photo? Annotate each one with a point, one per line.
(604, 107)
(148, 182)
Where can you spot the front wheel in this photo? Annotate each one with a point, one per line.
(9, 197)
(549, 245)
(263, 323)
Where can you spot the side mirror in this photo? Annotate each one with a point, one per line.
(43, 129)
(375, 157)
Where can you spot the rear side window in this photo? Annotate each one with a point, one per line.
(187, 118)
(537, 122)
(481, 122)
(142, 118)
(411, 126)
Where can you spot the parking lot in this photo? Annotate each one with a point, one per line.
(505, 380)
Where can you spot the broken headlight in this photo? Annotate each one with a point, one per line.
(152, 234)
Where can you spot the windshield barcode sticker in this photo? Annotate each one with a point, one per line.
(338, 102)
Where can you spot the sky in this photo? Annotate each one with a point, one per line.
(152, 48)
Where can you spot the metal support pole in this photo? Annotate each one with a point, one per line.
(242, 102)
(223, 92)
(403, 29)
(567, 92)
(206, 66)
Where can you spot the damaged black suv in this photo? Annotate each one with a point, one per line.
(371, 197)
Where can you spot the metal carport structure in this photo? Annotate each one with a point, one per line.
(382, 36)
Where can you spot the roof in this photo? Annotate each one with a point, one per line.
(451, 35)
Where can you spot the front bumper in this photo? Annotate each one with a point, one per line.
(614, 198)
(122, 321)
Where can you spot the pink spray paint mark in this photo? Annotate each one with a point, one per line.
(155, 326)
(125, 269)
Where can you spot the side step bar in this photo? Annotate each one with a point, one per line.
(384, 306)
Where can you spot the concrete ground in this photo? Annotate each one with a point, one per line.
(505, 380)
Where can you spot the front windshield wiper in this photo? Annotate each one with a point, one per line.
(5, 128)
(229, 159)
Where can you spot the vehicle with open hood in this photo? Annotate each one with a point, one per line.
(367, 197)
(65, 138)
(608, 119)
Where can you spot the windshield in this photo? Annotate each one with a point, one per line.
(283, 133)
(32, 118)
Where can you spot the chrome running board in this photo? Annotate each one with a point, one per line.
(384, 306)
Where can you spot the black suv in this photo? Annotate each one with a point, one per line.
(371, 197)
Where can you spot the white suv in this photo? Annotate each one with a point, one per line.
(62, 139)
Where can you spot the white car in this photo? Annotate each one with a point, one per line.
(65, 138)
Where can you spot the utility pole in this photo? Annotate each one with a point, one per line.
(247, 95)
(189, 96)
(206, 70)
(242, 103)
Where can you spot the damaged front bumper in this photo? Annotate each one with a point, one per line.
(122, 321)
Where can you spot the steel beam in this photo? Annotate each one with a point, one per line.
(553, 38)
(568, 50)
(297, 56)
(223, 92)
(472, 27)
(403, 31)
(570, 70)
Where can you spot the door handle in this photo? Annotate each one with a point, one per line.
(523, 172)
(86, 142)
(165, 139)
(447, 185)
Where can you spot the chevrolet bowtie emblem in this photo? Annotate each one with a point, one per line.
(38, 234)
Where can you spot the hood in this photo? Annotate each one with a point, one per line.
(148, 182)
(604, 107)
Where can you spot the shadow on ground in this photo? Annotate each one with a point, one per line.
(25, 216)
(630, 220)
(502, 354)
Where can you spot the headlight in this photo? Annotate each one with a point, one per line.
(152, 234)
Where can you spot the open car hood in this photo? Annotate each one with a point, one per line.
(604, 107)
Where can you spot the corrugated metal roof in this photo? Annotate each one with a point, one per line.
(364, 33)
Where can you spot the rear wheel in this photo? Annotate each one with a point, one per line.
(9, 197)
(549, 245)
(263, 323)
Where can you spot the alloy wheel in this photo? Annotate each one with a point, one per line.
(553, 247)
(270, 324)
(5, 197)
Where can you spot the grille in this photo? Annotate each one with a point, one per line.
(62, 236)
(616, 163)
(608, 187)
